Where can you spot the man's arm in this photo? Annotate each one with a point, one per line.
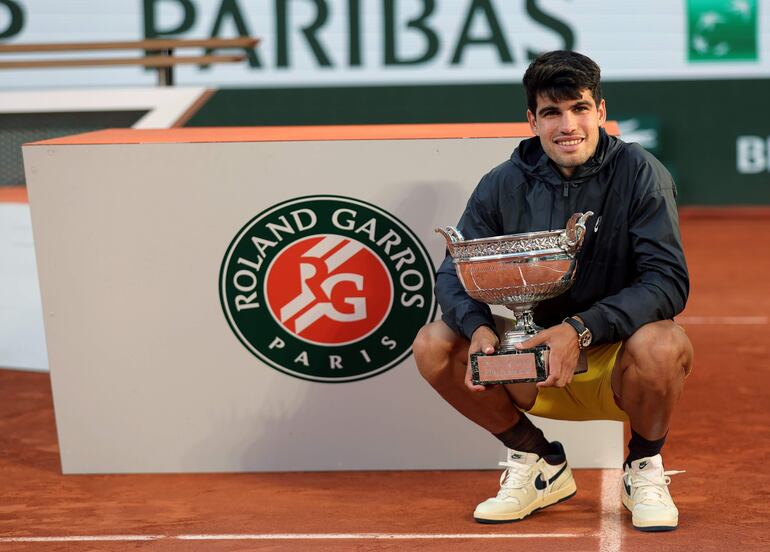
(659, 292)
(461, 313)
(661, 288)
(479, 220)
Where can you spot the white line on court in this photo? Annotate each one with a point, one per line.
(610, 527)
(84, 538)
(726, 320)
(298, 536)
(386, 536)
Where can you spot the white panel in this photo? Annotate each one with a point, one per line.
(22, 340)
(146, 373)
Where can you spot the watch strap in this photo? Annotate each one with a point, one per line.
(579, 328)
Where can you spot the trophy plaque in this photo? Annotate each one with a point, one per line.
(518, 271)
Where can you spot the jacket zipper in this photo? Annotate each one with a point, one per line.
(565, 189)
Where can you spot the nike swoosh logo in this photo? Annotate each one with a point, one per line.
(627, 487)
(540, 483)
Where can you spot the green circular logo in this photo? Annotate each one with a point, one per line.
(327, 288)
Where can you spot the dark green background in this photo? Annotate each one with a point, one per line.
(21, 128)
(697, 121)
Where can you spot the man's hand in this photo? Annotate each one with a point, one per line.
(564, 354)
(483, 340)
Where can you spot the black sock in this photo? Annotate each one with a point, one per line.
(639, 447)
(524, 436)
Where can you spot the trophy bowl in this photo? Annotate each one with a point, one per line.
(518, 271)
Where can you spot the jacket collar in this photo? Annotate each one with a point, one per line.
(531, 158)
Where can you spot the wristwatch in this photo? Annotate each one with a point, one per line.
(584, 334)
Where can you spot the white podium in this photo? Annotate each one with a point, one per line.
(244, 299)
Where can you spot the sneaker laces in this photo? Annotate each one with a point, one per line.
(516, 476)
(652, 488)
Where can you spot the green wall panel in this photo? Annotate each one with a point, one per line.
(362, 105)
(692, 126)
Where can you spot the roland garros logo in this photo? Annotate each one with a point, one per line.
(327, 288)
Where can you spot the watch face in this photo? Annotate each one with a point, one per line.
(585, 339)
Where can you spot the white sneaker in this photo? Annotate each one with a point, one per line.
(529, 483)
(645, 494)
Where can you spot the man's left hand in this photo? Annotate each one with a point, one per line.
(564, 354)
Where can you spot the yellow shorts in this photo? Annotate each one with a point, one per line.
(588, 396)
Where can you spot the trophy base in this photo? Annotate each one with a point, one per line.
(516, 366)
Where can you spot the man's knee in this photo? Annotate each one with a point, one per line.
(435, 348)
(659, 354)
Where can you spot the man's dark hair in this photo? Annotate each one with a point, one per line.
(561, 75)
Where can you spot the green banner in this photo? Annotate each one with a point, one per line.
(722, 30)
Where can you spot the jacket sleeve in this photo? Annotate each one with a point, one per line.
(661, 287)
(459, 311)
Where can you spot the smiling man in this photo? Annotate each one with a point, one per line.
(631, 281)
(568, 130)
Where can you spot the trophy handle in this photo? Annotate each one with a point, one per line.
(452, 235)
(575, 231)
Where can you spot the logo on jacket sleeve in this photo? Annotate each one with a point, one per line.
(327, 288)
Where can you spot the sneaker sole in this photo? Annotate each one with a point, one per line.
(650, 526)
(553, 499)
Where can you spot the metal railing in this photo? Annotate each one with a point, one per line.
(159, 54)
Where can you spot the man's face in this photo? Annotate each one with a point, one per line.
(568, 130)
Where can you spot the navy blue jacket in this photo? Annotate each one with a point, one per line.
(631, 269)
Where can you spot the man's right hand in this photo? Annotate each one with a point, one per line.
(484, 340)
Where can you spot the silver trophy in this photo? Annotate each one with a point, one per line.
(518, 271)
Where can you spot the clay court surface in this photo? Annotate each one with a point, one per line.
(720, 435)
